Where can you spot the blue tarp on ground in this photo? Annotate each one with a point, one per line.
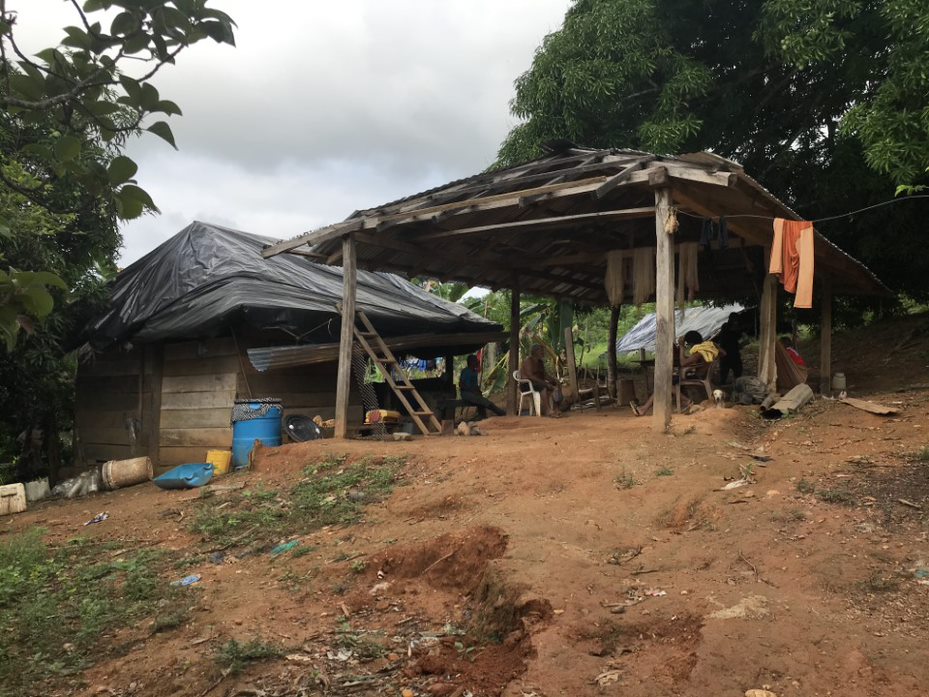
(706, 320)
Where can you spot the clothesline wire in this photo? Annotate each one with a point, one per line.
(816, 220)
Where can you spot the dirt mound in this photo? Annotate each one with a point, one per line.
(450, 562)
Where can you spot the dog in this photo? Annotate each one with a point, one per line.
(720, 397)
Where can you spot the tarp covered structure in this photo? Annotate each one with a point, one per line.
(208, 276)
(706, 319)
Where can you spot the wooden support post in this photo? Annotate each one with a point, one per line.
(572, 363)
(450, 373)
(825, 340)
(767, 335)
(612, 371)
(346, 338)
(664, 311)
(511, 404)
(152, 424)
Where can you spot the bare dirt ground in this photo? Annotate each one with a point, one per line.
(580, 556)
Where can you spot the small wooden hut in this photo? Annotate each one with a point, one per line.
(188, 324)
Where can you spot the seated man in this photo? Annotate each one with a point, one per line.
(533, 369)
(469, 382)
(698, 355)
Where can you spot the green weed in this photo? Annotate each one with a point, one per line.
(169, 621)
(792, 516)
(321, 498)
(923, 455)
(840, 496)
(876, 583)
(235, 656)
(56, 603)
(625, 480)
(664, 472)
(805, 487)
(362, 645)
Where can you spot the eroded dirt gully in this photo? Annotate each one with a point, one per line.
(580, 556)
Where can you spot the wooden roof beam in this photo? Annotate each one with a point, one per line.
(621, 214)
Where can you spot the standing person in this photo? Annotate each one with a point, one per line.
(729, 340)
(469, 383)
(533, 369)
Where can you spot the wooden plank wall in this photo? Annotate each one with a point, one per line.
(114, 402)
(198, 389)
(200, 381)
(308, 390)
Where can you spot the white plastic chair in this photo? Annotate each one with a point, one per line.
(527, 389)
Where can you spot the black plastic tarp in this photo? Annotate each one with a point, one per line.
(208, 277)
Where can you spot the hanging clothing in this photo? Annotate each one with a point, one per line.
(707, 350)
(792, 261)
(688, 282)
(643, 274)
(723, 233)
(707, 234)
(615, 280)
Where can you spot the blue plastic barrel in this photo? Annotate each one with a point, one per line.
(254, 420)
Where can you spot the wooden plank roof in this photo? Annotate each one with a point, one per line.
(550, 221)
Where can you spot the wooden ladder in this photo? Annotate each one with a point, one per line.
(383, 358)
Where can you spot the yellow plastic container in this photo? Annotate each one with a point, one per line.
(220, 459)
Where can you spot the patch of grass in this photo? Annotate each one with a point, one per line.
(840, 496)
(234, 656)
(365, 647)
(625, 480)
(922, 455)
(321, 498)
(358, 566)
(805, 487)
(876, 583)
(170, 620)
(664, 472)
(301, 551)
(795, 515)
(55, 603)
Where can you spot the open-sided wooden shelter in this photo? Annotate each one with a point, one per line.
(545, 227)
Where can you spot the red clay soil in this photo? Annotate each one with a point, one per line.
(581, 556)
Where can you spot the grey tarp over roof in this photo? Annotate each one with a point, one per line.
(706, 320)
(206, 276)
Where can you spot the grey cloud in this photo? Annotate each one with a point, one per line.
(324, 108)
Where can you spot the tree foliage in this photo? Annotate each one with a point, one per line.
(826, 102)
(65, 183)
(68, 110)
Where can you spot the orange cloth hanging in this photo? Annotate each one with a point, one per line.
(792, 258)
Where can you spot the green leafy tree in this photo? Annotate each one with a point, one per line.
(68, 110)
(65, 183)
(826, 102)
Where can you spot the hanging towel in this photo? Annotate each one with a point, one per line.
(643, 274)
(708, 351)
(687, 281)
(792, 258)
(615, 280)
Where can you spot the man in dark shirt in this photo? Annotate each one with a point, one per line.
(469, 382)
(729, 340)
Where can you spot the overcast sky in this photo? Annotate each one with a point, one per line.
(324, 107)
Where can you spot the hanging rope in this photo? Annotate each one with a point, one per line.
(889, 202)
